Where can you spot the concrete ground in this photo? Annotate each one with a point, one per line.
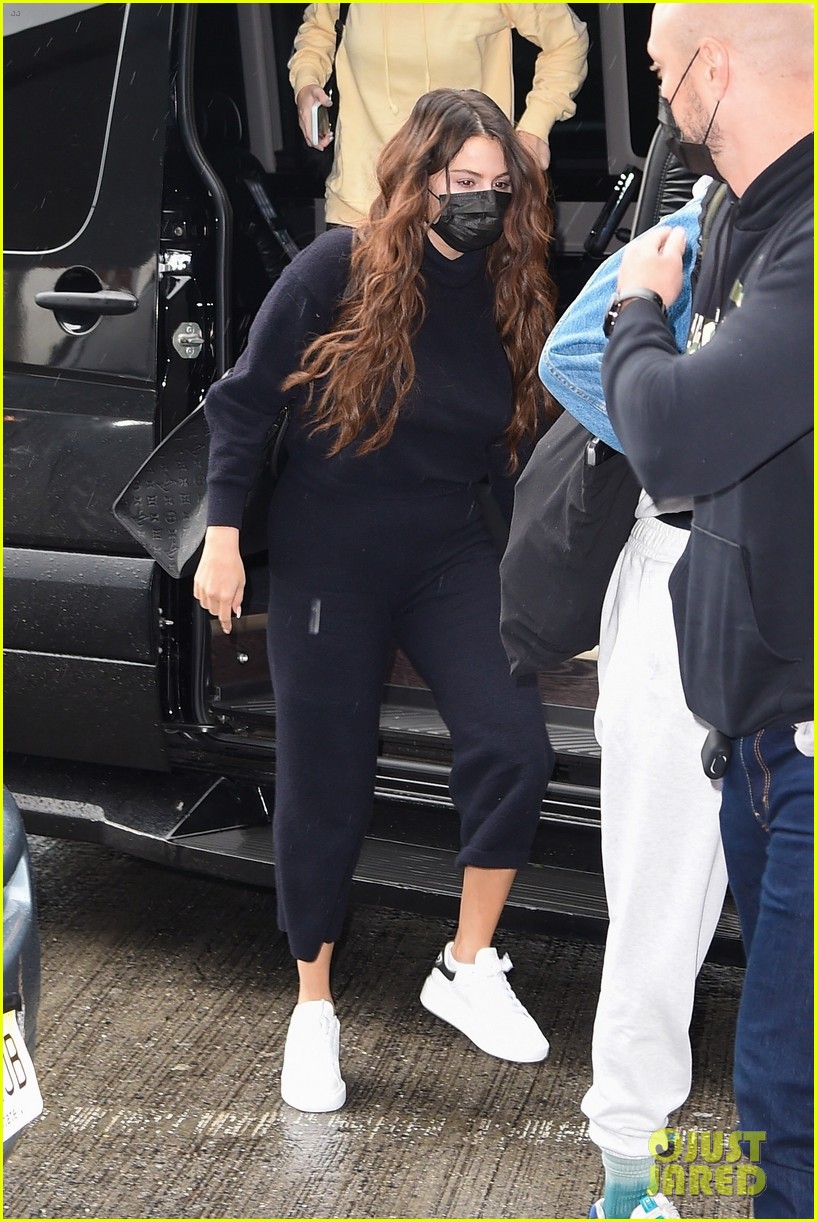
(165, 1005)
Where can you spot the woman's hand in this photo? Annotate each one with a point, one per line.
(219, 581)
(306, 99)
(539, 147)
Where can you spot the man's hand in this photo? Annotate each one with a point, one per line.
(306, 99)
(654, 261)
(539, 147)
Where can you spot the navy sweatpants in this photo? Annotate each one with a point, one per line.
(350, 576)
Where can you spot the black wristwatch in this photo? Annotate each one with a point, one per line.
(618, 300)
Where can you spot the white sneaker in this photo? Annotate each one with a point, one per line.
(310, 1078)
(649, 1206)
(657, 1206)
(479, 1002)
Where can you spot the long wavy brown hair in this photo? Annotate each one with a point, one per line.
(359, 374)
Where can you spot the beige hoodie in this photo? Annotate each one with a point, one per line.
(390, 54)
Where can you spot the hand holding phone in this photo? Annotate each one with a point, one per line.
(319, 125)
(310, 100)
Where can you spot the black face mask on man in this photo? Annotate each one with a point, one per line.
(471, 220)
(694, 154)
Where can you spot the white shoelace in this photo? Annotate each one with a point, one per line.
(496, 978)
(317, 1040)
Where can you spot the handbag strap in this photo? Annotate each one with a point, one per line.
(343, 13)
(340, 25)
(711, 205)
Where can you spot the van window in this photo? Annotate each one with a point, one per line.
(59, 83)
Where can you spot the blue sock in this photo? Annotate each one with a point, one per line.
(625, 1182)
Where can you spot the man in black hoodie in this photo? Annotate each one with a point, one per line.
(730, 423)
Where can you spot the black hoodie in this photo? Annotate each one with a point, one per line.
(731, 425)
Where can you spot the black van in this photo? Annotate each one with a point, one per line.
(156, 185)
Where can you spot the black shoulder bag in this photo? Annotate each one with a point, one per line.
(164, 507)
(574, 507)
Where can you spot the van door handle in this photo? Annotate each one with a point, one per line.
(105, 301)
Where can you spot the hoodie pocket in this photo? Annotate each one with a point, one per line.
(732, 677)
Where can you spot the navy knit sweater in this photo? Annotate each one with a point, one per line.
(450, 430)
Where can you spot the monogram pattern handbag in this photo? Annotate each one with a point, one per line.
(164, 507)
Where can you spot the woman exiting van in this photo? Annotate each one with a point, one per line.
(409, 348)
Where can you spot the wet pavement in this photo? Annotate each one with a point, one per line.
(165, 1004)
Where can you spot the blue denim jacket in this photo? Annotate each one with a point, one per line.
(570, 365)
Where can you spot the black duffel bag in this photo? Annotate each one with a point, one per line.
(574, 508)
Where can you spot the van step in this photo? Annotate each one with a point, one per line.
(422, 878)
(420, 868)
(570, 730)
(190, 820)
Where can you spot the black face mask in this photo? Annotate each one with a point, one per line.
(693, 154)
(471, 220)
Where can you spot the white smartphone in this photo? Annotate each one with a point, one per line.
(319, 123)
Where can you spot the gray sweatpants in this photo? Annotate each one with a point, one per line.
(664, 869)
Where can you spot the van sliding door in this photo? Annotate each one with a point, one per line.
(86, 108)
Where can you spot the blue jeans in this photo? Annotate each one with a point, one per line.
(767, 829)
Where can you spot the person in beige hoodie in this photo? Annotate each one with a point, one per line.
(390, 54)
